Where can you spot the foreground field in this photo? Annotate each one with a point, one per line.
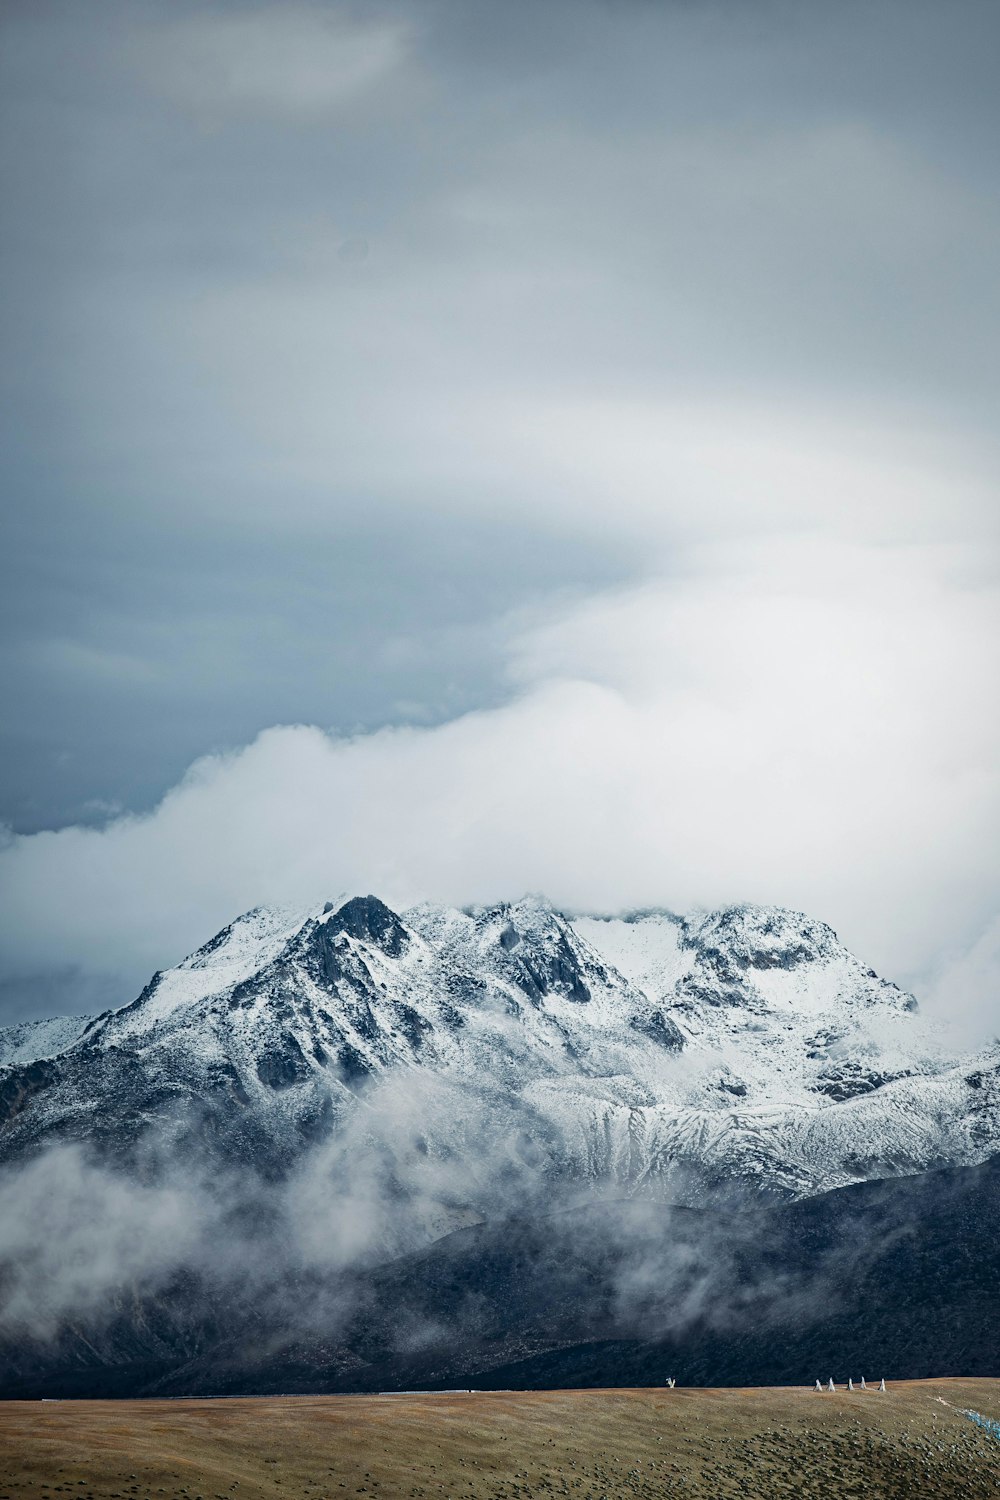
(589, 1445)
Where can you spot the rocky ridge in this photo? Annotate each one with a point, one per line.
(670, 1057)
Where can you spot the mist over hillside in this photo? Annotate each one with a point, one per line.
(390, 1147)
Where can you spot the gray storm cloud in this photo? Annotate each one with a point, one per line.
(457, 449)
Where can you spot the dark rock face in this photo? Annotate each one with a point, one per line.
(848, 1080)
(555, 972)
(325, 950)
(660, 1029)
(541, 963)
(370, 920)
(509, 938)
(412, 1024)
(353, 1066)
(19, 1087)
(701, 991)
(284, 1065)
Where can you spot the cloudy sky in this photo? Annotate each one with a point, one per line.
(457, 448)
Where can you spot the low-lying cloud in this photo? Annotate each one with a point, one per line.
(209, 1277)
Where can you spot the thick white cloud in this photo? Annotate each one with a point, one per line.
(964, 987)
(800, 722)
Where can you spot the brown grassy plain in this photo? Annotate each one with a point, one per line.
(587, 1445)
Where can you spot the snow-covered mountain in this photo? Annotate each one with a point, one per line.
(670, 1056)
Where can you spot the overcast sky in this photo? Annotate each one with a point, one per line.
(453, 449)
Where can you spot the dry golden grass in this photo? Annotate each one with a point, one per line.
(588, 1445)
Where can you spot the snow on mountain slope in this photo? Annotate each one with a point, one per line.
(29, 1041)
(672, 1056)
(235, 954)
(783, 1007)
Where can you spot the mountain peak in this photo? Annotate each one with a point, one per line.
(761, 937)
(369, 920)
